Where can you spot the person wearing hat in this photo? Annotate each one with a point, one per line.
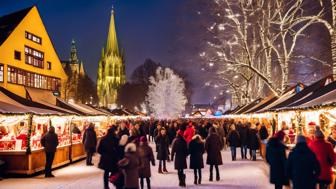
(146, 156)
(180, 151)
(276, 158)
(332, 136)
(50, 142)
(162, 148)
(325, 155)
(302, 166)
(130, 166)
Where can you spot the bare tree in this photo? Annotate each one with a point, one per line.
(257, 36)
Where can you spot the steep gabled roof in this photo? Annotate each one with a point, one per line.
(9, 22)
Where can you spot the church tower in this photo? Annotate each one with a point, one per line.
(111, 69)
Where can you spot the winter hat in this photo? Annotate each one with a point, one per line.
(280, 135)
(318, 133)
(131, 147)
(311, 125)
(300, 139)
(143, 139)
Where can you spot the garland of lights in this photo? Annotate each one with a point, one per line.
(30, 123)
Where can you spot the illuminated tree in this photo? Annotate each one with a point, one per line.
(166, 95)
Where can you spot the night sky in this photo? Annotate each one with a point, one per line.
(145, 28)
(170, 32)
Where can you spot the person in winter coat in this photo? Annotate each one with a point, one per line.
(253, 142)
(221, 133)
(180, 151)
(203, 131)
(50, 142)
(130, 165)
(162, 148)
(263, 133)
(108, 150)
(243, 134)
(302, 166)
(332, 136)
(146, 156)
(123, 130)
(276, 158)
(90, 143)
(189, 132)
(196, 151)
(233, 139)
(213, 148)
(326, 157)
(172, 132)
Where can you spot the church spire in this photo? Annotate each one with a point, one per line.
(73, 53)
(112, 42)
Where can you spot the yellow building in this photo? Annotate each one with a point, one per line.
(27, 56)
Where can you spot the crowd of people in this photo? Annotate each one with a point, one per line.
(308, 164)
(126, 153)
(126, 156)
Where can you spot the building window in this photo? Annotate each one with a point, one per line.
(33, 38)
(1, 73)
(49, 65)
(17, 55)
(34, 57)
(22, 77)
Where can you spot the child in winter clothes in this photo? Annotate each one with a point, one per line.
(146, 156)
(130, 165)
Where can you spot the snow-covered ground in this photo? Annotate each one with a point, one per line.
(234, 175)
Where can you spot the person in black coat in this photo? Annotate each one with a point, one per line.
(276, 158)
(162, 148)
(302, 166)
(202, 131)
(196, 151)
(90, 143)
(172, 129)
(180, 148)
(108, 149)
(234, 141)
(243, 134)
(123, 130)
(253, 142)
(50, 142)
(213, 147)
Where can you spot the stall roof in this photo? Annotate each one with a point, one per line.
(325, 93)
(238, 108)
(304, 93)
(265, 102)
(85, 108)
(233, 111)
(288, 94)
(326, 99)
(120, 112)
(45, 97)
(12, 101)
(249, 106)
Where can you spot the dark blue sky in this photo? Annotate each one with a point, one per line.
(145, 28)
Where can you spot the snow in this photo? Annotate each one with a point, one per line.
(234, 175)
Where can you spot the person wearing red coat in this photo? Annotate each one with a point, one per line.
(325, 155)
(189, 133)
